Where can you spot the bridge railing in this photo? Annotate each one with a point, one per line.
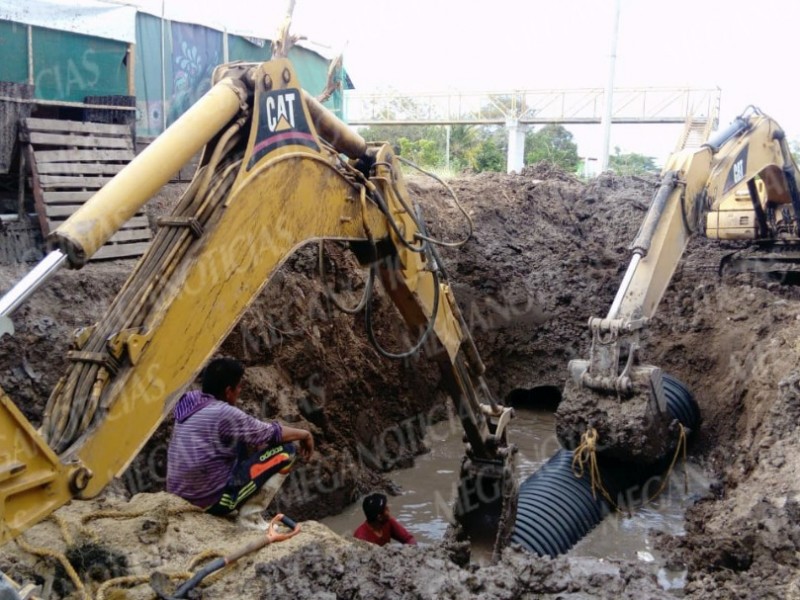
(565, 106)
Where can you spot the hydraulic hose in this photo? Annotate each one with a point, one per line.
(77, 400)
(329, 293)
(89, 227)
(738, 125)
(641, 245)
(470, 224)
(422, 338)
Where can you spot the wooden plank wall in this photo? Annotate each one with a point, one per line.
(69, 161)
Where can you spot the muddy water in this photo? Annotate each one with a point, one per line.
(427, 490)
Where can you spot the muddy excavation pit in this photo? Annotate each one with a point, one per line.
(548, 252)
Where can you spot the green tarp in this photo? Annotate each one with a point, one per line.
(14, 50)
(191, 52)
(66, 66)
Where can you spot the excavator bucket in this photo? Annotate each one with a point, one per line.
(486, 505)
(632, 425)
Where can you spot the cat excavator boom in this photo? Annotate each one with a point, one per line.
(277, 170)
(740, 185)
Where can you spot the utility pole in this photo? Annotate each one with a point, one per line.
(447, 129)
(163, 71)
(610, 89)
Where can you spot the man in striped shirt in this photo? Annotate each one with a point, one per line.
(222, 459)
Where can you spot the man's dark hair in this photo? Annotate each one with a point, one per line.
(220, 374)
(373, 505)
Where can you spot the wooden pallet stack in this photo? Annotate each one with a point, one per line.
(68, 162)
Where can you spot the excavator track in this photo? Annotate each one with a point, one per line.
(778, 260)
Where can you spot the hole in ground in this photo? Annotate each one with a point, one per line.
(543, 397)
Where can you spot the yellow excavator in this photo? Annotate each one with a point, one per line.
(621, 422)
(740, 185)
(277, 171)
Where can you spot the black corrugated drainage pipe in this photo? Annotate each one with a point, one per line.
(556, 509)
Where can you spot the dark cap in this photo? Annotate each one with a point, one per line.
(373, 506)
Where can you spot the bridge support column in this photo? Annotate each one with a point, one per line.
(516, 146)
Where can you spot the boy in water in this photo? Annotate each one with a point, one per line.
(381, 527)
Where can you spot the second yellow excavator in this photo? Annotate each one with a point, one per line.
(621, 422)
(740, 185)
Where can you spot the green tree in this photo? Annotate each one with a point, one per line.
(476, 147)
(631, 164)
(426, 153)
(461, 146)
(463, 141)
(488, 157)
(422, 144)
(392, 133)
(794, 148)
(552, 143)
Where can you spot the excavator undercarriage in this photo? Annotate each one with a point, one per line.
(779, 261)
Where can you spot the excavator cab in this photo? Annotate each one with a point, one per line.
(760, 208)
(735, 218)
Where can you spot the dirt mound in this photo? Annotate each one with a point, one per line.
(546, 170)
(129, 548)
(547, 252)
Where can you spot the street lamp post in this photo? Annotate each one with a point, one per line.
(609, 96)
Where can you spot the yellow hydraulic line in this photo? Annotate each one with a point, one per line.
(91, 226)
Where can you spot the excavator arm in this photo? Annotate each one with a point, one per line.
(277, 170)
(728, 188)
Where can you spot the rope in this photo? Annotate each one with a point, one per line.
(118, 514)
(585, 457)
(134, 580)
(213, 577)
(60, 557)
(680, 449)
(128, 580)
(64, 527)
(204, 555)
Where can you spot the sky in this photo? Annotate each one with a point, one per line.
(747, 49)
